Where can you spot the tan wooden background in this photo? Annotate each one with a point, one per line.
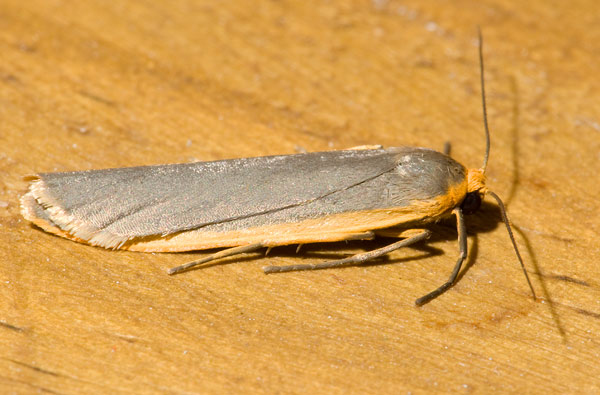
(94, 84)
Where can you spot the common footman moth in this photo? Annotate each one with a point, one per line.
(252, 203)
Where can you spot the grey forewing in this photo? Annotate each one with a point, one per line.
(241, 193)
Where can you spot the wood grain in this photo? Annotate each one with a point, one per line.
(96, 84)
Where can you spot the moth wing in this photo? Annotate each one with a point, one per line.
(109, 207)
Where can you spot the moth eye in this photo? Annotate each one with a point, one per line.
(471, 203)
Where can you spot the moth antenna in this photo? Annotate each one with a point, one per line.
(483, 103)
(485, 162)
(512, 239)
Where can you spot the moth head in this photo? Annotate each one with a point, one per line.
(476, 190)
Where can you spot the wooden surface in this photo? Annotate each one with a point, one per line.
(94, 84)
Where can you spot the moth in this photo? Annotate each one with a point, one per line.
(252, 203)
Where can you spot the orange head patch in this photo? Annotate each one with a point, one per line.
(476, 181)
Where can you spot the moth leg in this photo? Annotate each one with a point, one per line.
(217, 255)
(447, 148)
(398, 232)
(369, 235)
(462, 245)
(358, 258)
